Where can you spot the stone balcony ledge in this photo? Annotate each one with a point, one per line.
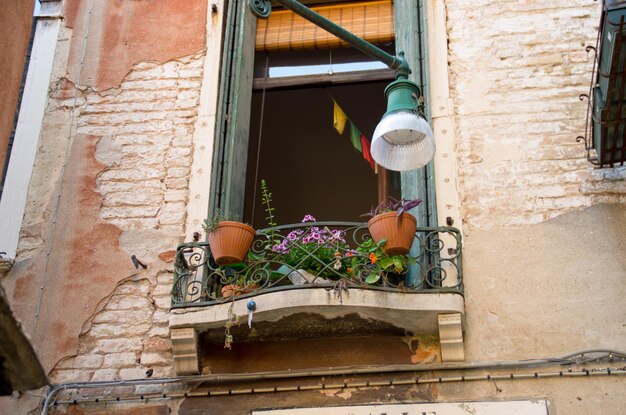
(411, 311)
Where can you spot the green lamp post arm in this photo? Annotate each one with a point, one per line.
(262, 9)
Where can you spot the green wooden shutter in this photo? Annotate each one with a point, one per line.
(420, 183)
(233, 118)
(228, 179)
(410, 19)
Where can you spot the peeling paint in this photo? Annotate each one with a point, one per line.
(169, 29)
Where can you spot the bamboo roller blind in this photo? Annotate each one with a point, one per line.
(285, 30)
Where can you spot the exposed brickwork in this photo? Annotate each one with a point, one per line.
(145, 128)
(517, 69)
(148, 122)
(128, 337)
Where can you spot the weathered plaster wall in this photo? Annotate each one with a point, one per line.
(544, 232)
(123, 33)
(516, 71)
(545, 290)
(127, 337)
(110, 181)
(15, 26)
(123, 193)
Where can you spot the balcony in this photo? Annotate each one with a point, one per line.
(312, 273)
(605, 131)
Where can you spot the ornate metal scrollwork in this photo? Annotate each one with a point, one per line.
(324, 254)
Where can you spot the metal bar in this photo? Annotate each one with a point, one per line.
(355, 41)
(322, 79)
(414, 380)
(568, 359)
(383, 184)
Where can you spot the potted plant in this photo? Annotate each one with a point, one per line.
(305, 255)
(311, 256)
(229, 240)
(391, 222)
(370, 263)
(239, 287)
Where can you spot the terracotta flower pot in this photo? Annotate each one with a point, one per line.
(231, 290)
(230, 242)
(399, 231)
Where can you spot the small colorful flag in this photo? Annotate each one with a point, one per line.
(339, 118)
(367, 155)
(355, 137)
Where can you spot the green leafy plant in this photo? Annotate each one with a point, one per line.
(315, 250)
(371, 262)
(231, 274)
(210, 224)
(231, 320)
(266, 199)
(393, 205)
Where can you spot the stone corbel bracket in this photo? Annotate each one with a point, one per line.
(451, 337)
(184, 343)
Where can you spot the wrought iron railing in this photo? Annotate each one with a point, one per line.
(605, 122)
(333, 255)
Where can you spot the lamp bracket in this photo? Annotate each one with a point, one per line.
(262, 9)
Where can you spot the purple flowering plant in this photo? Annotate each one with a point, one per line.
(322, 251)
(393, 205)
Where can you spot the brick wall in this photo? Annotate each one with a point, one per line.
(127, 338)
(146, 129)
(517, 69)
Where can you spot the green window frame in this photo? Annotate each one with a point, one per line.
(234, 97)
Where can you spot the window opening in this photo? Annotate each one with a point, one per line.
(231, 182)
(309, 166)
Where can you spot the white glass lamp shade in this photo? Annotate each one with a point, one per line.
(403, 141)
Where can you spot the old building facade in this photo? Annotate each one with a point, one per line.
(129, 135)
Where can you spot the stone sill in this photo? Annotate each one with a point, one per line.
(414, 312)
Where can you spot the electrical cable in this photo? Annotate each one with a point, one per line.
(362, 384)
(568, 359)
(258, 147)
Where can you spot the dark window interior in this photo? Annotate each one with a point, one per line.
(308, 166)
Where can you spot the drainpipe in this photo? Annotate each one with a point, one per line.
(29, 123)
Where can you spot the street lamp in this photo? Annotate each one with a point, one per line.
(403, 140)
